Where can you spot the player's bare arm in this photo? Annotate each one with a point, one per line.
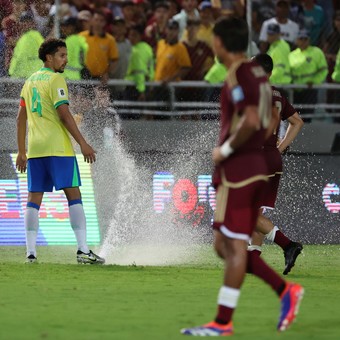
(21, 162)
(249, 123)
(70, 124)
(294, 127)
(274, 122)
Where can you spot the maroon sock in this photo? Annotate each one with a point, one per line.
(224, 314)
(281, 239)
(259, 268)
(255, 253)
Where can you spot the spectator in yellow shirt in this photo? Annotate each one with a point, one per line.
(205, 32)
(172, 58)
(103, 53)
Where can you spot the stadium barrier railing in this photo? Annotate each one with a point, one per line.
(172, 104)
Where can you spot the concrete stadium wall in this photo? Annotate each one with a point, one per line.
(174, 135)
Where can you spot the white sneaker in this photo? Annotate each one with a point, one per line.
(90, 257)
(31, 259)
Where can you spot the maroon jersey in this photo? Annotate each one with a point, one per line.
(199, 54)
(285, 109)
(246, 85)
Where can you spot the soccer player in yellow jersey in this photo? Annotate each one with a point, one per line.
(50, 160)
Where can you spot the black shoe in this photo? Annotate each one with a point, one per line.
(292, 251)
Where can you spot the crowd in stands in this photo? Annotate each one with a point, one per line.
(171, 40)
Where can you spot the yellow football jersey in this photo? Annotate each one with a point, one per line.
(41, 94)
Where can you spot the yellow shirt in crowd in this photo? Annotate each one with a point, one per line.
(170, 59)
(102, 50)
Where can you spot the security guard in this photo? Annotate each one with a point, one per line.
(141, 64)
(25, 60)
(336, 73)
(76, 49)
(308, 65)
(333, 94)
(216, 75)
(279, 51)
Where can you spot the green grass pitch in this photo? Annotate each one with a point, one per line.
(58, 299)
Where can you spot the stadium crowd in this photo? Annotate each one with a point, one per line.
(142, 40)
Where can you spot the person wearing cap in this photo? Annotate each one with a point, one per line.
(76, 49)
(25, 60)
(155, 31)
(189, 11)
(278, 51)
(141, 63)
(308, 66)
(119, 31)
(229, 7)
(205, 29)
(84, 19)
(172, 58)
(289, 29)
(103, 53)
(201, 55)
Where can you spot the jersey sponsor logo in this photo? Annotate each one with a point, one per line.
(237, 94)
(61, 92)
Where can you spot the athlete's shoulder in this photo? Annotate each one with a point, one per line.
(276, 92)
(245, 73)
(57, 78)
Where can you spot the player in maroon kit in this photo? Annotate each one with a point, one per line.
(273, 150)
(240, 176)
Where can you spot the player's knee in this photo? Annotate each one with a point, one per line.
(219, 249)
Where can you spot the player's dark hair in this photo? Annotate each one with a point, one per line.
(265, 61)
(233, 33)
(50, 46)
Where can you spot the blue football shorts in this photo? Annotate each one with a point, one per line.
(44, 173)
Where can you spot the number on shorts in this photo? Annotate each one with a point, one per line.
(265, 107)
(278, 105)
(36, 102)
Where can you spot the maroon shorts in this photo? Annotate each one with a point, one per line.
(274, 163)
(270, 192)
(237, 207)
(273, 160)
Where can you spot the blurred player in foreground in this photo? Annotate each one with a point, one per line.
(265, 227)
(240, 177)
(50, 159)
